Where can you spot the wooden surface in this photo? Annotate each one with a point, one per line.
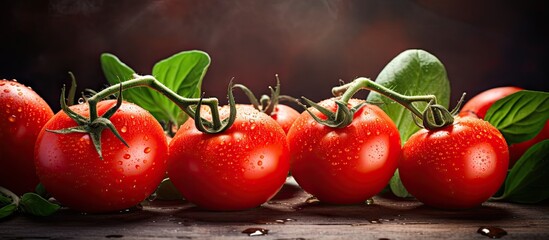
(288, 216)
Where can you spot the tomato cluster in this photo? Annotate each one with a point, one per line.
(116, 158)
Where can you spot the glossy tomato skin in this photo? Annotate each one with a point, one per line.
(479, 105)
(457, 167)
(285, 116)
(237, 169)
(344, 165)
(72, 172)
(22, 116)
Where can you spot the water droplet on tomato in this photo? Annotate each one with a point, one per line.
(119, 162)
(19, 109)
(6, 90)
(124, 129)
(12, 118)
(20, 93)
(259, 163)
(2, 84)
(81, 101)
(137, 166)
(147, 150)
(127, 156)
(370, 201)
(252, 126)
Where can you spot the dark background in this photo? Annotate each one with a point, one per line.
(311, 44)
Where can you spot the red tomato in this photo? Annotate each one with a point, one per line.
(22, 116)
(239, 168)
(344, 165)
(459, 166)
(285, 116)
(70, 169)
(479, 105)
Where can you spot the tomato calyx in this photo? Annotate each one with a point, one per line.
(266, 104)
(95, 124)
(433, 117)
(92, 126)
(341, 118)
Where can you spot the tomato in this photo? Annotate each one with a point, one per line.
(239, 168)
(479, 105)
(459, 166)
(285, 116)
(344, 165)
(22, 116)
(70, 169)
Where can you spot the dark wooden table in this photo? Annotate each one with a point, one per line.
(290, 215)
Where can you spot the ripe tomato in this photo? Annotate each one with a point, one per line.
(22, 116)
(239, 168)
(479, 105)
(285, 116)
(70, 169)
(344, 165)
(458, 166)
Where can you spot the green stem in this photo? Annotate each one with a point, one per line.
(149, 81)
(353, 87)
(433, 117)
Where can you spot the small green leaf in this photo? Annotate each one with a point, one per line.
(520, 116)
(34, 204)
(41, 190)
(528, 180)
(413, 72)
(397, 188)
(116, 71)
(7, 210)
(182, 73)
(9, 202)
(167, 191)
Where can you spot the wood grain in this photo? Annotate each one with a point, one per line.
(288, 216)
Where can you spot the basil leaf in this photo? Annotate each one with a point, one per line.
(396, 186)
(413, 72)
(33, 204)
(116, 71)
(7, 210)
(183, 73)
(528, 180)
(520, 116)
(167, 191)
(9, 202)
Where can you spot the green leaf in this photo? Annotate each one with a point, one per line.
(528, 180)
(7, 210)
(413, 72)
(116, 71)
(9, 202)
(520, 116)
(182, 73)
(34, 204)
(396, 186)
(167, 191)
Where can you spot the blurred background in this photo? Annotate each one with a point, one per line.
(311, 44)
